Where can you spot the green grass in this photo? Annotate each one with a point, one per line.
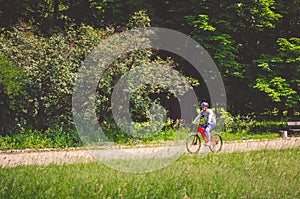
(61, 139)
(237, 128)
(258, 174)
(36, 139)
(248, 136)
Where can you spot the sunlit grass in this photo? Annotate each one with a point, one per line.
(248, 136)
(257, 174)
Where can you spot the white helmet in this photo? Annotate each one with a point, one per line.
(204, 104)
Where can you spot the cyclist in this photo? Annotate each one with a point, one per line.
(210, 118)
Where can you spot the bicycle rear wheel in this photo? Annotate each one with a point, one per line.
(193, 143)
(216, 143)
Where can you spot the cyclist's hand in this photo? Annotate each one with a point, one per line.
(195, 122)
(206, 124)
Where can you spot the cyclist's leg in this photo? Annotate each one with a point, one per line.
(208, 130)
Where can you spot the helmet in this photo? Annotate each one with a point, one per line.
(204, 104)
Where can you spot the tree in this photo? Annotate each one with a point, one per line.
(279, 76)
(49, 67)
(11, 88)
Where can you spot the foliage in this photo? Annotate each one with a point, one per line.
(277, 88)
(64, 137)
(55, 138)
(247, 127)
(269, 126)
(145, 99)
(280, 74)
(220, 45)
(49, 67)
(50, 64)
(111, 10)
(236, 124)
(255, 45)
(11, 87)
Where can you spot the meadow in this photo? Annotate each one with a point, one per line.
(256, 174)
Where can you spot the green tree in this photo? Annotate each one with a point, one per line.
(11, 87)
(279, 76)
(49, 67)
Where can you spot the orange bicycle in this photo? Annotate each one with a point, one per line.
(193, 142)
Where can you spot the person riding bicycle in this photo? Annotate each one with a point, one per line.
(210, 118)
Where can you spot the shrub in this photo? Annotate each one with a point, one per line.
(236, 124)
(268, 126)
(52, 138)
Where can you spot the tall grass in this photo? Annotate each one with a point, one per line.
(258, 174)
(235, 128)
(58, 138)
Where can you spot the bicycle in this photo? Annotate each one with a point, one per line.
(193, 142)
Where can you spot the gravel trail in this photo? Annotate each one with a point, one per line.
(13, 158)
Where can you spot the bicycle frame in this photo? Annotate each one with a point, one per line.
(202, 133)
(193, 142)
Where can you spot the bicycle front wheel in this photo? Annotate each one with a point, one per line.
(193, 144)
(216, 143)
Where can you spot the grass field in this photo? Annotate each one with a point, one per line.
(257, 174)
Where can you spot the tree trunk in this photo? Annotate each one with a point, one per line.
(55, 9)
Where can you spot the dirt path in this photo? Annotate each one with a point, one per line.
(50, 156)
